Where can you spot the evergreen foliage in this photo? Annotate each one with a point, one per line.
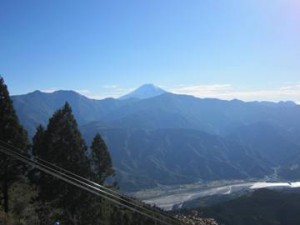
(38, 141)
(23, 208)
(64, 145)
(11, 133)
(101, 164)
(37, 147)
(61, 144)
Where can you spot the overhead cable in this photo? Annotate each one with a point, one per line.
(87, 185)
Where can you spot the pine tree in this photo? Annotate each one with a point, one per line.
(62, 144)
(11, 133)
(101, 164)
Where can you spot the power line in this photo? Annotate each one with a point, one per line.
(113, 194)
(77, 183)
(103, 189)
(118, 195)
(87, 185)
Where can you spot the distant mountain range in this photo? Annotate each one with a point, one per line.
(156, 137)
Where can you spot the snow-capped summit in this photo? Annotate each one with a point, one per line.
(145, 91)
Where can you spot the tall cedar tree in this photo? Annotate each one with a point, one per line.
(62, 144)
(37, 148)
(100, 169)
(11, 133)
(38, 141)
(101, 164)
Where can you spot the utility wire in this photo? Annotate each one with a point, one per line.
(118, 195)
(112, 193)
(77, 183)
(97, 187)
(87, 185)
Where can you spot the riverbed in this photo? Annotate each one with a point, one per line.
(167, 201)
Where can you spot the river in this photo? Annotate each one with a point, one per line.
(167, 201)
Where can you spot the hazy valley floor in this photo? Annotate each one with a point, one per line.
(170, 197)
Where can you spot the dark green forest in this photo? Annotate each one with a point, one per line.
(30, 196)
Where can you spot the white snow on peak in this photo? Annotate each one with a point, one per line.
(144, 92)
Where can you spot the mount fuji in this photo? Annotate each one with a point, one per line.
(144, 92)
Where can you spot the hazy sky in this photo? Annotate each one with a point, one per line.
(246, 49)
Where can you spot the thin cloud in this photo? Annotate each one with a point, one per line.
(289, 92)
(114, 91)
(202, 90)
(80, 91)
(91, 95)
(111, 86)
(291, 87)
(108, 91)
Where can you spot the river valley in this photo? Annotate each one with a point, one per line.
(166, 197)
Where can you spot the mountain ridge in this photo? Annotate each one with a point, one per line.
(131, 125)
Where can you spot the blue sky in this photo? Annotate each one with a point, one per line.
(227, 49)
